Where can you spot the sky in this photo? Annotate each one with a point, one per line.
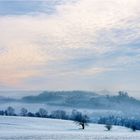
(70, 44)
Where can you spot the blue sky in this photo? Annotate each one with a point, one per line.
(22, 7)
(68, 45)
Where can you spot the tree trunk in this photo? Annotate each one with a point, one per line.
(83, 126)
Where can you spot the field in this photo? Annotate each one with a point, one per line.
(25, 128)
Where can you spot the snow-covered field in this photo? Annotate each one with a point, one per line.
(23, 128)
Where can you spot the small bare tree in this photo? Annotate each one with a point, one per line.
(10, 111)
(81, 119)
(108, 127)
(23, 112)
(42, 112)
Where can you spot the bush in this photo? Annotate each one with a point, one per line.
(108, 127)
(133, 128)
(30, 114)
(2, 112)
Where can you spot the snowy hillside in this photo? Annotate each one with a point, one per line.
(22, 128)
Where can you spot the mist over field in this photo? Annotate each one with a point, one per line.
(94, 103)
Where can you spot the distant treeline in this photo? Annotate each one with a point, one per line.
(42, 113)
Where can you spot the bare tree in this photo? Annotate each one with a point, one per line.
(10, 111)
(42, 112)
(59, 114)
(80, 119)
(23, 112)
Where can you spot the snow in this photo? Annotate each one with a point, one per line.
(28, 128)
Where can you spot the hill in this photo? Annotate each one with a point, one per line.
(89, 100)
(22, 128)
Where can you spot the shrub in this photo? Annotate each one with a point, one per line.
(108, 127)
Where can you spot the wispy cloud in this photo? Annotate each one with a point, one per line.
(80, 38)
